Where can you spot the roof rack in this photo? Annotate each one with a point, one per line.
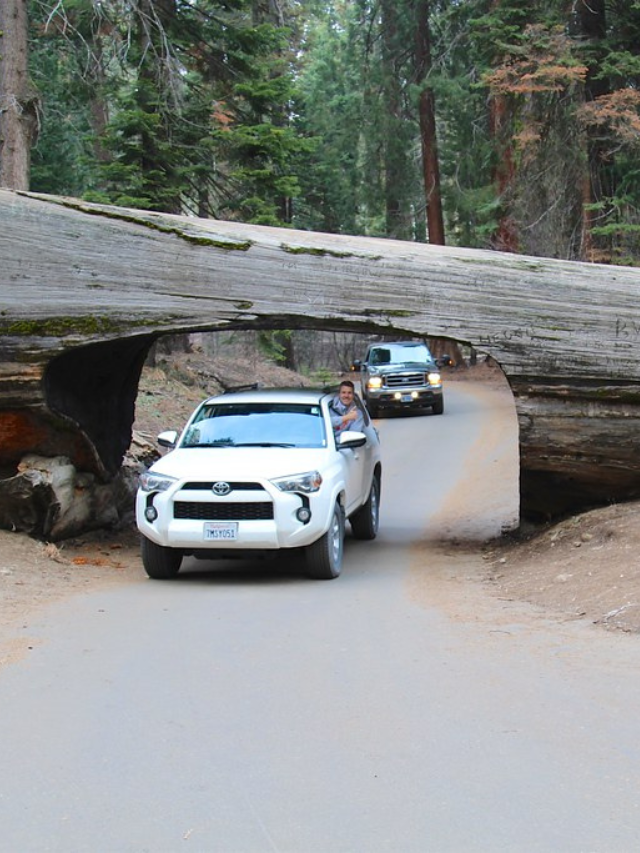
(252, 386)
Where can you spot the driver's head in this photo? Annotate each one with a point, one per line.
(346, 392)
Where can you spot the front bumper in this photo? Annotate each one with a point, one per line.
(406, 398)
(252, 532)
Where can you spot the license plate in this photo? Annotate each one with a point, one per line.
(221, 531)
(407, 398)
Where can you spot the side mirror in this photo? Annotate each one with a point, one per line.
(351, 439)
(357, 364)
(168, 439)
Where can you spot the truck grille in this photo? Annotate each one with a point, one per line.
(404, 380)
(223, 511)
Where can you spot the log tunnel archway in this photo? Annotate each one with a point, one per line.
(85, 289)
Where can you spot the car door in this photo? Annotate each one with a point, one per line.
(358, 465)
(352, 460)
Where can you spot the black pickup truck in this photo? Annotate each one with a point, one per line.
(400, 375)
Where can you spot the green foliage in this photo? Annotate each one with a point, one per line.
(214, 108)
(61, 161)
(276, 345)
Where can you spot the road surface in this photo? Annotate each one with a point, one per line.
(399, 708)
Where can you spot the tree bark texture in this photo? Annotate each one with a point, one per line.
(86, 289)
(18, 102)
(590, 18)
(428, 136)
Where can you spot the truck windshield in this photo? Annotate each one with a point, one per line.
(400, 354)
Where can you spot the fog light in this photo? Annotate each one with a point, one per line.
(303, 514)
(414, 395)
(397, 395)
(151, 513)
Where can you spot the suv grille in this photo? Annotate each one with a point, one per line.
(223, 511)
(400, 380)
(235, 487)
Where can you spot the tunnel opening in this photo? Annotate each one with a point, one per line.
(216, 361)
(93, 388)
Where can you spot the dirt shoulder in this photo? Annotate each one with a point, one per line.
(586, 567)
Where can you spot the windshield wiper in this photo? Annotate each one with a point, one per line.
(263, 444)
(210, 444)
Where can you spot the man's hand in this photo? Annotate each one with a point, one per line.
(350, 416)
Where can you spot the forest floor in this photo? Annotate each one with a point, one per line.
(583, 567)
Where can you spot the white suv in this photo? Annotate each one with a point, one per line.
(255, 471)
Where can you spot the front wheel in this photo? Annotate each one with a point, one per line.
(160, 563)
(438, 406)
(365, 521)
(324, 556)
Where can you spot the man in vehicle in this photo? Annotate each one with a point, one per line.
(345, 414)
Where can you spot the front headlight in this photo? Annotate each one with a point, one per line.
(305, 483)
(375, 382)
(434, 379)
(150, 482)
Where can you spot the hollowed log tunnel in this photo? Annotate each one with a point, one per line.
(86, 289)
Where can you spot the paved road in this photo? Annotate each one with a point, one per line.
(396, 709)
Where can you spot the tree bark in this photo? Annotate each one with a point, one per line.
(590, 17)
(18, 101)
(428, 136)
(398, 221)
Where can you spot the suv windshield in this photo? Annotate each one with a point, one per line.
(257, 425)
(400, 354)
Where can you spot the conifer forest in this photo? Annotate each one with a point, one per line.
(480, 123)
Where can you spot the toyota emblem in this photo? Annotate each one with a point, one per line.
(221, 488)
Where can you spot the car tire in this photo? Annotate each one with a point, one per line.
(438, 407)
(324, 556)
(373, 409)
(365, 521)
(160, 563)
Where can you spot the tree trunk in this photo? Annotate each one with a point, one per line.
(591, 25)
(99, 110)
(428, 138)
(398, 221)
(18, 101)
(506, 237)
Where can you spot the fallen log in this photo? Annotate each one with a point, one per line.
(86, 289)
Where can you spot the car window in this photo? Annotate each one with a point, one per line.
(257, 424)
(381, 355)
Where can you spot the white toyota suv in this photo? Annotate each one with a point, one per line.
(255, 471)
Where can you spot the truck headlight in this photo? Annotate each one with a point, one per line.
(375, 382)
(305, 483)
(434, 379)
(150, 482)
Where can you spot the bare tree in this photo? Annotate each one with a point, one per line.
(18, 99)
